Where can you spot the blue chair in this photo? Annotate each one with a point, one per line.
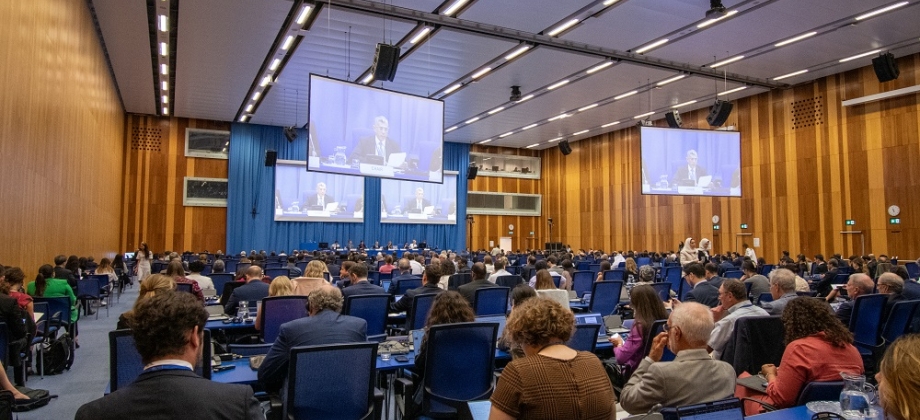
(88, 290)
(347, 374)
(866, 320)
(302, 265)
(457, 280)
(765, 297)
(674, 276)
(219, 280)
(585, 337)
(615, 274)
(663, 290)
(418, 313)
(41, 330)
(594, 268)
(733, 274)
(582, 281)
(4, 344)
(582, 266)
(605, 297)
(125, 363)
(184, 287)
(371, 308)
(405, 285)
(277, 310)
(657, 328)
(509, 281)
(491, 301)
(820, 391)
(899, 320)
(840, 279)
(58, 313)
(641, 261)
(206, 270)
(765, 269)
(275, 272)
(913, 271)
(270, 265)
(249, 349)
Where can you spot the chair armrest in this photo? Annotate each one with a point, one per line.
(378, 403)
(404, 386)
(456, 403)
(766, 406)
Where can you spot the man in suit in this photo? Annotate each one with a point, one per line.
(418, 204)
(479, 281)
(324, 325)
(405, 273)
(168, 333)
(62, 273)
(690, 173)
(430, 278)
(712, 274)
(701, 290)
(376, 148)
(733, 305)
(253, 291)
(782, 288)
(857, 285)
(691, 378)
(320, 200)
(359, 284)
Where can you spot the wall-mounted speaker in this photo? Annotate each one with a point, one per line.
(271, 157)
(719, 112)
(386, 58)
(886, 67)
(673, 118)
(565, 148)
(472, 172)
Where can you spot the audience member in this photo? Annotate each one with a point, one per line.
(447, 269)
(155, 284)
(547, 289)
(253, 291)
(899, 379)
(175, 270)
(405, 273)
(700, 289)
(479, 281)
(430, 279)
(647, 308)
(218, 267)
(313, 278)
(518, 295)
(759, 284)
(280, 286)
(13, 278)
(293, 270)
(61, 272)
(47, 285)
(204, 282)
(893, 286)
(359, 283)
(387, 266)
(859, 284)
(605, 267)
(712, 274)
(824, 285)
(733, 305)
(782, 289)
(689, 253)
(105, 267)
(632, 270)
(500, 264)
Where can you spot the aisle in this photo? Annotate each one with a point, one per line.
(88, 377)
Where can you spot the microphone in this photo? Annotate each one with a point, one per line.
(653, 412)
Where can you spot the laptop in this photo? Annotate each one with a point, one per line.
(417, 336)
(727, 409)
(593, 318)
(614, 324)
(499, 319)
(704, 181)
(573, 296)
(215, 312)
(385, 284)
(396, 160)
(333, 206)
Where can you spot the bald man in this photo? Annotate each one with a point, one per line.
(857, 285)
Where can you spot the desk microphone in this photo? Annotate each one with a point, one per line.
(652, 412)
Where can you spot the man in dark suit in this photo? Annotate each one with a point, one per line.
(325, 325)
(689, 174)
(712, 274)
(431, 277)
(253, 291)
(701, 290)
(857, 285)
(405, 273)
(479, 281)
(320, 199)
(418, 204)
(376, 148)
(359, 283)
(168, 333)
(62, 273)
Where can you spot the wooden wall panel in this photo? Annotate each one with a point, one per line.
(61, 130)
(152, 210)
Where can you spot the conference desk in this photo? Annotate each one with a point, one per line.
(219, 325)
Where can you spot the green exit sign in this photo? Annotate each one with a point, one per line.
(850, 222)
(715, 227)
(895, 220)
(744, 226)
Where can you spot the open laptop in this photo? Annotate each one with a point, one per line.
(499, 319)
(727, 409)
(215, 312)
(593, 318)
(704, 181)
(417, 336)
(396, 160)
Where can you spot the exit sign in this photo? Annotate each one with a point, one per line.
(744, 226)
(715, 227)
(895, 220)
(850, 222)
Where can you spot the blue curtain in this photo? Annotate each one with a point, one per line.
(250, 217)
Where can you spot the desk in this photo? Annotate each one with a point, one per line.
(800, 412)
(218, 324)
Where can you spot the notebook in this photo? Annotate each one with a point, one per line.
(755, 382)
(728, 409)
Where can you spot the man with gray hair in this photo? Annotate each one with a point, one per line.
(691, 378)
(782, 288)
(376, 148)
(688, 174)
(858, 284)
(500, 263)
(892, 285)
(733, 305)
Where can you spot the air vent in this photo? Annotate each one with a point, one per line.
(146, 138)
(503, 203)
(807, 113)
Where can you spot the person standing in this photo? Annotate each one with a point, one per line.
(142, 256)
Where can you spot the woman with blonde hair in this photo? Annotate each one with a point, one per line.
(156, 283)
(280, 286)
(899, 379)
(546, 288)
(105, 267)
(312, 278)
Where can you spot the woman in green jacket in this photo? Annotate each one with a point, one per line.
(45, 285)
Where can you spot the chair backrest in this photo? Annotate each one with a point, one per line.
(754, 343)
(346, 372)
(405, 285)
(582, 281)
(641, 261)
(4, 344)
(585, 337)
(59, 304)
(820, 391)
(125, 363)
(269, 265)
(867, 318)
(221, 279)
(810, 293)
(459, 279)
(277, 310)
(766, 297)
(275, 272)
(228, 291)
(594, 268)
(249, 349)
(615, 274)
(840, 278)
(900, 319)
(88, 287)
(663, 289)
(672, 275)
(657, 327)
(491, 301)
(765, 269)
(418, 313)
(450, 378)
(42, 308)
(371, 308)
(605, 296)
(733, 274)
(582, 265)
(184, 287)
(509, 281)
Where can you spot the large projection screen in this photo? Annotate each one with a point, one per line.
(360, 130)
(419, 202)
(302, 196)
(690, 162)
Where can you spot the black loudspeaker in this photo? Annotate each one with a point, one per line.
(565, 148)
(886, 67)
(471, 173)
(385, 61)
(271, 157)
(673, 118)
(719, 112)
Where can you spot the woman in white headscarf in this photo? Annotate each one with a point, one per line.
(688, 253)
(705, 250)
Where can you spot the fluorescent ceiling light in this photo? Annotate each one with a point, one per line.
(643, 115)
(580, 132)
(249, 107)
(303, 15)
(453, 8)
(529, 127)
(421, 34)
(450, 129)
(555, 139)
(506, 134)
(367, 79)
(484, 141)
(482, 72)
(600, 67)
(164, 99)
(452, 88)
(533, 145)
(525, 98)
(711, 21)
(585, 108)
(631, 93)
(287, 42)
(860, 55)
(795, 73)
(737, 89)
(164, 49)
(165, 111)
(728, 61)
(685, 104)
(658, 43)
(499, 109)
(164, 69)
(673, 79)
(256, 96)
(517, 52)
(275, 64)
(795, 39)
(164, 23)
(558, 117)
(471, 120)
(164, 85)
(562, 27)
(557, 84)
(609, 2)
(610, 124)
(882, 10)
(265, 81)
(243, 118)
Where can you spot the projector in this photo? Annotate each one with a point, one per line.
(515, 93)
(644, 123)
(716, 9)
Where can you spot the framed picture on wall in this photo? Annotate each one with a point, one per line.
(204, 192)
(202, 143)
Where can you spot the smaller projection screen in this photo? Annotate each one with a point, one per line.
(419, 202)
(360, 130)
(302, 196)
(690, 162)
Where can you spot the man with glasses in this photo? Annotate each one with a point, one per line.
(858, 284)
(733, 305)
(688, 175)
(253, 291)
(691, 378)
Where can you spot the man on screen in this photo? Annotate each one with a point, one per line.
(319, 200)
(377, 148)
(688, 175)
(419, 203)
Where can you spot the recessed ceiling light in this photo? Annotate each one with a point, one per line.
(860, 55)
(795, 39)
(610, 124)
(643, 115)
(164, 85)
(655, 44)
(558, 117)
(673, 79)
(452, 88)
(499, 109)
(558, 84)
(600, 67)
(256, 96)
(555, 139)
(243, 118)
(249, 108)
(685, 104)
(517, 52)
(482, 72)
(484, 141)
(421, 34)
(453, 8)
(562, 27)
(164, 23)
(506, 134)
(367, 79)
(450, 129)
(265, 81)
(525, 98)
(585, 108)
(164, 69)
(529, 127)
(609, 2)
(795, 73)
(728, 61)
(533, 145)
(275, 64)
(737, 89)
(631, 93)
(303, 15)
(882, 10)
(164, 99)
(711, 21)
(287, 42)
(580, 132)
(471, 120)
(164, 49)
(165, 111)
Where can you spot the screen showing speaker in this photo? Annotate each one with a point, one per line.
(419, 202)
(690, 162)
(303, 196)
(360, 130)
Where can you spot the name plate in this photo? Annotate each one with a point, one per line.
(313, 161)
(376, 170)
(317, 213)
(359, 215)
(690, 190)
(418, 216)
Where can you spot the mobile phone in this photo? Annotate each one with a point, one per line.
(222, 368)
(401, 359)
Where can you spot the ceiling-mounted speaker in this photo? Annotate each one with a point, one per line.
(471, 172)
(886, 67)
(386, 58)
(565, 148)
(719, 112)
(290, 133)
(673, 118)
(271, 157)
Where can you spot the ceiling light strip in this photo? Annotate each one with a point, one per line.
(795, 73)
(796, 39)
(882, 10)
(728, 61)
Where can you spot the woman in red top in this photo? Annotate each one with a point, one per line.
(13, 278)
(387, 266)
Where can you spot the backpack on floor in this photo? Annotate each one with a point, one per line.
(7, 402)
(58, 355)
(37, 398)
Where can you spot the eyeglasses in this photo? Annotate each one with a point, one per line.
(667, 327)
